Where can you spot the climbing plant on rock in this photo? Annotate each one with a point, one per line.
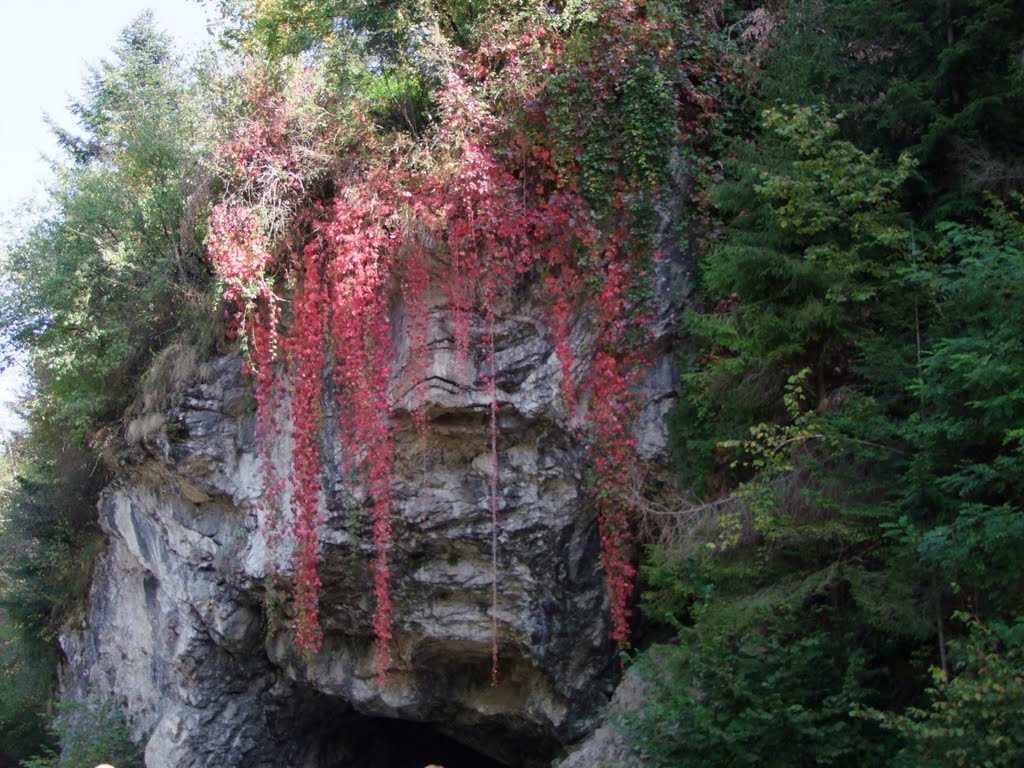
(331, 218)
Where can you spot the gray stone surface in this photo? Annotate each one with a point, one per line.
(607, 746)
(184, 627)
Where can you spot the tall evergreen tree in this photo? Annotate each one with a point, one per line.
(101, 280)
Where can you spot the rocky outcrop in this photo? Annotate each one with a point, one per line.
(607, 745)
(185, 627)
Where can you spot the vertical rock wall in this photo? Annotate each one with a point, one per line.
(184, 627)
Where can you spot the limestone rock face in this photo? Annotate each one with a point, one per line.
(607, 746)
(187, 629)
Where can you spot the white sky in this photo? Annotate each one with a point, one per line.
(45, 48)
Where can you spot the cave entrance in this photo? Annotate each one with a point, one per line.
(378, 742)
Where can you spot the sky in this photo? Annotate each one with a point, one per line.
(46, 47)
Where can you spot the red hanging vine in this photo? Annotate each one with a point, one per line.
(359, 276)
(305, 355)
(498, 200)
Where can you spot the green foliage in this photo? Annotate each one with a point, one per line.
(791, 614)
(26, 688)
(974, 718)
(847, 592)
(274, 29)
(397, 99)
(812, 240)
(48, 540)
(387, 30)
(89, 734)
(27, 662)
(383, 60)
(941, 80)
(627, 103)
(868, 517)
(791, 610)
(966, 478)
(844, 528)
(763, 695)
(115, 265)
(109, 272)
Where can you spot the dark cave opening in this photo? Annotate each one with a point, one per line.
(379, 742)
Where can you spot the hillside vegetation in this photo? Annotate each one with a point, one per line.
(836, 578)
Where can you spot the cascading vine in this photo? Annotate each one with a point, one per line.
(304, 352)
(359, 278)
(317, 241)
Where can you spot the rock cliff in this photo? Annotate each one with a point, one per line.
(185, 627)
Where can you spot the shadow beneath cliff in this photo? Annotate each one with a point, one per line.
(376, 742)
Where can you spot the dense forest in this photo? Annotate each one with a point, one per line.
(835, 577)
